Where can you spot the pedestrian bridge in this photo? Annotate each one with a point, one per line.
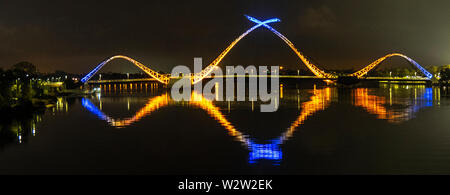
(205, 73)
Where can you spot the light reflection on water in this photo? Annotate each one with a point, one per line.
(393, 109)
(394, 104)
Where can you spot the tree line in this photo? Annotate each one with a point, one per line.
(22, 83)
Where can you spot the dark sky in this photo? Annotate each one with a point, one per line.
(74, 36)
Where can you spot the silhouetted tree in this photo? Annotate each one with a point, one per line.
(70, 84)
(27, 67)
(445, 74)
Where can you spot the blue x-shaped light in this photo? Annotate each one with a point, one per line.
(264, 23)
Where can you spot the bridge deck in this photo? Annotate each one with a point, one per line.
(268, 76)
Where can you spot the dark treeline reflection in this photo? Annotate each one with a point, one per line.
(18, 129)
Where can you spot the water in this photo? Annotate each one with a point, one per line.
(390, 129)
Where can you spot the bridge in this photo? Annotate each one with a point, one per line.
(205, 73)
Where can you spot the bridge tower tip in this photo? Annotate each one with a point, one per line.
(261, 22)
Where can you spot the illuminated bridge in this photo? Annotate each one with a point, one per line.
(198, 77)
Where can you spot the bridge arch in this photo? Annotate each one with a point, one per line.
(313, 68)
(374, 64)
(197, 77)
(159, 77)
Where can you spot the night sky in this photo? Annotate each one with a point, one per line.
(74, 36)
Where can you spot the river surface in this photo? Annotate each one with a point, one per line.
(390, 129)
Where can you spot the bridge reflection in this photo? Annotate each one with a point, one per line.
(392, 109)
(152, 105)
(269, 150)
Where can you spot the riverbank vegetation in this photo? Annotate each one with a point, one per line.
(23, 88)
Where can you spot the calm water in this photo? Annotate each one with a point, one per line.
(390, 129)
